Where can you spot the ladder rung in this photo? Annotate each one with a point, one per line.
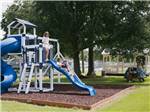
(26, 79)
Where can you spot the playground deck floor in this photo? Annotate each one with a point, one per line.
(65, 95)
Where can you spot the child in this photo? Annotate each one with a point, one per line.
(46, 44)
(63, 64)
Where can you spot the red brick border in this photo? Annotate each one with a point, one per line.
(101, 103)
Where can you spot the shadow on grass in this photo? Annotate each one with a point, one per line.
(98, 80)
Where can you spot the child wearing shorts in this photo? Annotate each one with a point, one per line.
(46, 44)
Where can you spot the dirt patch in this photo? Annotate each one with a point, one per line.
(67, 96)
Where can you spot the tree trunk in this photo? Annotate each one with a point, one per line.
(91, 72)
(76, 63)
(82, 57)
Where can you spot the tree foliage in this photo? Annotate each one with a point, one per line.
(128, 29)
(79, 25)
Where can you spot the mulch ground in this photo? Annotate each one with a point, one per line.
(66, 95)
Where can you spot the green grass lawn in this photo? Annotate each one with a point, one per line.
(13, 106)
(105, 80)
(137, 101)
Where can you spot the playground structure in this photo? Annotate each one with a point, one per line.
(135, 70)
(146, 64)
(33, 67)
(135, 73)
(140, 71)
(113, 68)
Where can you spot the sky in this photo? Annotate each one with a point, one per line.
(4, 4)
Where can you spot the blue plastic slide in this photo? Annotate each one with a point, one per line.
(73, 78)
(8, 75)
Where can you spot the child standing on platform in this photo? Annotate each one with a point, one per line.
(46, 44)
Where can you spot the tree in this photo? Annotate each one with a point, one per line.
(22, 10)
(121, 23)
(128, 31)
(71, 21)
(80, 25)
(92, 32)
(64, 20)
